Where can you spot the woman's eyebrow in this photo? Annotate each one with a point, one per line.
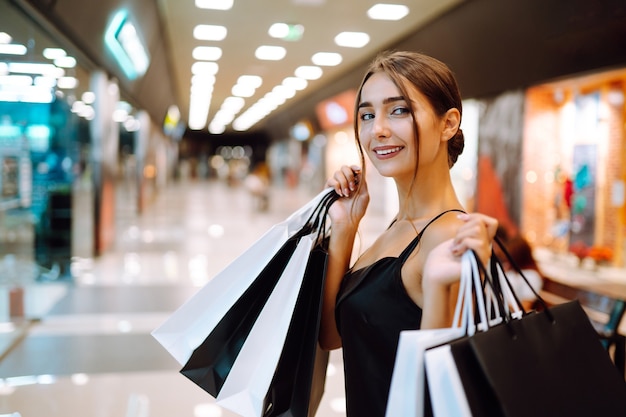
(385, 101)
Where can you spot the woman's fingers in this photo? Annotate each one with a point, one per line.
(345, 180)
(476, 233)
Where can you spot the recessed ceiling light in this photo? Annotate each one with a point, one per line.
(5, 37)
(296, 83)
(285, 31)
(54, 53)
(16, 80)
(309, 72)
(233, 104)
(240, 90)
(387, 11)
(253, 81)
(12, 49)
(210, 32)
(214, 4)
(65, 62)
(204, 68)
(207, 53)
(270, 53)
(36, 68)
(68, 83)
(328, 59)
(352, 39)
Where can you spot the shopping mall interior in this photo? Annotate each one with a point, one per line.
(145, 145)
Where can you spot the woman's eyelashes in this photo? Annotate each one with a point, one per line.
(400, 111)
(366, 116)
(396, 111)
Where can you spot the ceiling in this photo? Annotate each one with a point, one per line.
(487, 43)
(247, 24)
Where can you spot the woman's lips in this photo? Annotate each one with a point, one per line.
(387, 152)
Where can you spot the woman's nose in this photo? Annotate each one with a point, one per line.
(381, 127)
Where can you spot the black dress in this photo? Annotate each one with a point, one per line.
(372, 309)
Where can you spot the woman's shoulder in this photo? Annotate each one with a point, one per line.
(441, 228)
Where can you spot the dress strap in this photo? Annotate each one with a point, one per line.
(411, 247)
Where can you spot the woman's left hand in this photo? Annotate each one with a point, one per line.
(443, 265)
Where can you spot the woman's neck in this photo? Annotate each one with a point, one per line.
(426, 199)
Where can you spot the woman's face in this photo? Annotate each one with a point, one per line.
(386, 127)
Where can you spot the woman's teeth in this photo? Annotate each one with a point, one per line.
(388, 151)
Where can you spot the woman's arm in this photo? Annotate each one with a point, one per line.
(442, 269)
(339, 254)
(345, 215)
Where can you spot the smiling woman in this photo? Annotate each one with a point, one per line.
(408, 113)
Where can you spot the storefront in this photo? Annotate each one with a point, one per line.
(573, 171)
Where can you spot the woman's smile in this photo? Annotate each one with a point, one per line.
(385, 152)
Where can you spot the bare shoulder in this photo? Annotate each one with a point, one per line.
(441, 230)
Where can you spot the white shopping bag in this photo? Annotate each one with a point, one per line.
(447, 394)
(190, 324)
(246, 385)
(407, 389)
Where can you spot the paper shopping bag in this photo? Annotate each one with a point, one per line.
(290, 393)
(259, 266)
(246, 385)
(549, 363)
(447, 364)
(212, 360)
(408, 393)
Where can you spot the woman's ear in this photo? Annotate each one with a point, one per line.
(452, 122)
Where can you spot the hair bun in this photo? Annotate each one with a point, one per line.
(455, 147)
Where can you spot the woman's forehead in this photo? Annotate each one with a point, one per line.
(380, 86)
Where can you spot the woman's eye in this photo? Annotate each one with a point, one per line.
(400, 111)
(367, 116)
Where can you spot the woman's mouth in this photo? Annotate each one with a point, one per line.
(388, 151)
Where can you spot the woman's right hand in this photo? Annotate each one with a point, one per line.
(349, 183)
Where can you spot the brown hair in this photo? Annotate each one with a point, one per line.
(431, 77)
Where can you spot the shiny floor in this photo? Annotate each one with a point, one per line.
(85, 348)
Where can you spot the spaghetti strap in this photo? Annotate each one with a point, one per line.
(411, 247)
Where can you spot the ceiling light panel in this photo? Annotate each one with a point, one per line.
(387, 11)
(285, 31)
(309, 72)
(12, 49)
(65, 62)
(270, 53)
(214, 4)
(204, 68)
(207, 53)
(326, 59)
(5, 37)
(54, 53)
(352, 39)
(210, 32)
(296, 83)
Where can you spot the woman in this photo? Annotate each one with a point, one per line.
(408, 113)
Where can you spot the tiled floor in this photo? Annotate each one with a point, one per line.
(85, 348)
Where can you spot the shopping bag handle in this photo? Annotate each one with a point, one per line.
(497, 270)
(316, 222)
(519, 271)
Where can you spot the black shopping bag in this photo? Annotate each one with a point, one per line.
(541, 364)
(290, 391)
(549, 363)
(211, 362)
